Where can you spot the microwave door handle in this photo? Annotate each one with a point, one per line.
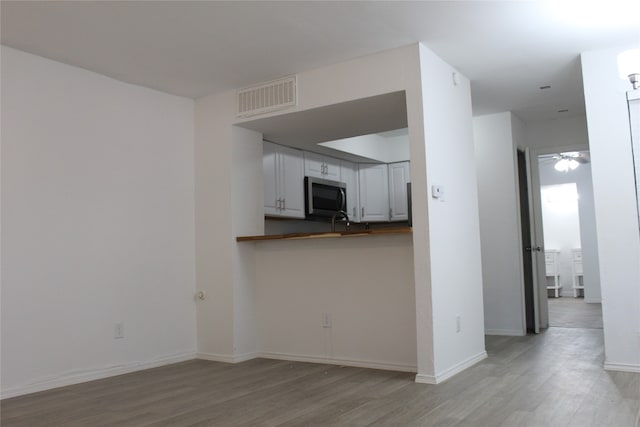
(341, 203)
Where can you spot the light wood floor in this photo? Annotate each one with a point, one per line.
(568, 312)
(552, 379)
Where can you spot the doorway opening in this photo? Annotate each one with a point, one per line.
(570, 246)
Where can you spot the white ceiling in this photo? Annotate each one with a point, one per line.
(305, 129)
(508, 49)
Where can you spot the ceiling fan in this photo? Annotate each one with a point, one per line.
(564, 162)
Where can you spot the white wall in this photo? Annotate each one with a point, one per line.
(218, 255)
(570, 131)
(588, 239)
(615, 206)
(495, 153)
(397, 145)
(453, 222)
(247, 207)
(371, 304)
(97, 225)
(386, 147)
(214, 226)
(385, 72)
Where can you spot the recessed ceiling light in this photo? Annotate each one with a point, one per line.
(545, 87)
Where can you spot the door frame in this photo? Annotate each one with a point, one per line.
(523, 284)
(542, 304)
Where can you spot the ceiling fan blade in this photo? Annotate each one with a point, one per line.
(582, 160)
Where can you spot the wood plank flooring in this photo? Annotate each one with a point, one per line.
(552, 379)
(568, 312)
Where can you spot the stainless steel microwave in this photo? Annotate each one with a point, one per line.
(324, 198)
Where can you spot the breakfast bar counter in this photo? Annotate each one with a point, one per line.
(331, 234)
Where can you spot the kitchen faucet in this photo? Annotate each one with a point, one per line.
(341, 214)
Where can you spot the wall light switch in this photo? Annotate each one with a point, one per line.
(437, 192)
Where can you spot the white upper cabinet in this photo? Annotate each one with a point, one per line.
(283, 169)
(349, 175)
(270, 170)
(319, 166)
(374, 192)
(399, 176)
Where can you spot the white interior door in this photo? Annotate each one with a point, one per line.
(537, 243)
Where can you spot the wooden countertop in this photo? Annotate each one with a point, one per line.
(294, 236)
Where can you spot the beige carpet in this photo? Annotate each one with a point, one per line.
(567, 312)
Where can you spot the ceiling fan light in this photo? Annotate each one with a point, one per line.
(562, 165)
(629, 66)
(573, 164)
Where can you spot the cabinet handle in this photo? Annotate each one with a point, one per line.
(362, 216)
(354, 211)
(278, 204)
(390, 213)
(284, 204)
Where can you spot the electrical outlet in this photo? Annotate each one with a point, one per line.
(118, 330)
(326, 320)
(458, 323)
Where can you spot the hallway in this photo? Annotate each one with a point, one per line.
(567, 312)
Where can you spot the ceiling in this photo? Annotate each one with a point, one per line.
(508, 49)
(305, 129)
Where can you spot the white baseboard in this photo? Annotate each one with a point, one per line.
(357, 363)
(450, 372)
(505, 332)
(226, 358)
(623, 367)
(425, 379)
(76, 377)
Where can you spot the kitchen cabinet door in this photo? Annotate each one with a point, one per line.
(332, 169)
(313, 165)
(292, 182)
(349, 175)
(374, 192)
(399, 176)
(283, 170)
(319, 166)
(270, 170)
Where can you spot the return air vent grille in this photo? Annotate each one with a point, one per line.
(266, 97)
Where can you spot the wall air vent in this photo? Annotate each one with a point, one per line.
(266, 97)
